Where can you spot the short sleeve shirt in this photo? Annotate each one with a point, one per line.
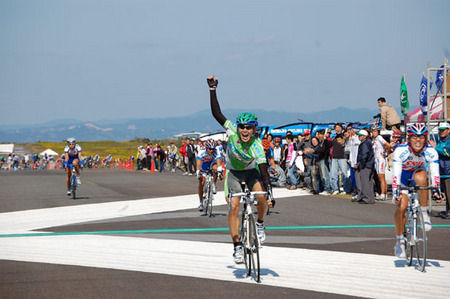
(378, 146)
(240, 155)
(72, 152)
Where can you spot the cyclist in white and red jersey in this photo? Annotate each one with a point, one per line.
(208, 158)
(380, 148)
(409, 165)
(245, 162)
(72, 157)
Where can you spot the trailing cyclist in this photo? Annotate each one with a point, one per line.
(209, 158)
(409, 164)
(72, 157)
(244, 157)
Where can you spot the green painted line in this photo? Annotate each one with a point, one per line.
(205, 229)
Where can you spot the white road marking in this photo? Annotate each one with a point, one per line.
(24, 221)
(352, 274)
(364, 275)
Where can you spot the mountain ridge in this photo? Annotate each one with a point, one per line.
(167, 127)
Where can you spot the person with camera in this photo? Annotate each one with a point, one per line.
(389, 116)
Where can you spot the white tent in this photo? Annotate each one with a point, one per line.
(6, 148)
(49, 152)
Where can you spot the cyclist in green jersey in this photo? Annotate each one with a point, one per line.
(245, 162)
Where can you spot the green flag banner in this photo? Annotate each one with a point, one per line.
(404, 103)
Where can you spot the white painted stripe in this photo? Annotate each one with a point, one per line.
(24, 221)
(352, 274)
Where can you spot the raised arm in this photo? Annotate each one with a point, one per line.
(215, 108)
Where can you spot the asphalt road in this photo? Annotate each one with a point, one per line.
(148, 239)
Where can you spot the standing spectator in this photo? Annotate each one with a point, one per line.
(270, 138)
(277, 151)
(323, 156)
(161, 158)
(140, 157)
(199, 145)
(380, 147)
(172, 156)
(190, 153)
(284, 156)
(354, 145)
(395, 142)
(290, 164)
(148, 156)
(339, 162)
(15, 162)
(10, 161)
(443, 149)
(183, 153)
(389, 116)
(156, 150)
(26, 160)
(364, 172)
(313, 164)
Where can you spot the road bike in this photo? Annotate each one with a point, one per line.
(248, 234)
(208, 195)
(73, 182)
(414, 232)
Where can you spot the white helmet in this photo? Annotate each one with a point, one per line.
(71, 140)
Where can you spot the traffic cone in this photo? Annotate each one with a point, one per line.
(152, 168)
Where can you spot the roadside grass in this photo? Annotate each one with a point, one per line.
(118, 149)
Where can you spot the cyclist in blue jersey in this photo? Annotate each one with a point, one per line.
(208, 158)
(409, 162)
(72, 156)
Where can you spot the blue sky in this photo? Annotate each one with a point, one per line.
(93, 60)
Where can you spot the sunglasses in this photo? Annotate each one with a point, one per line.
(247, 127)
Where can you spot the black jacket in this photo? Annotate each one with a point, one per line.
(190, 151)
(366, 158)
(324, 150)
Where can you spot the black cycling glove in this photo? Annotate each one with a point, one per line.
(212, 82)
(270, 194)
(436, 194)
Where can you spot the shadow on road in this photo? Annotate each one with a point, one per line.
(242, 273)
(404, 263)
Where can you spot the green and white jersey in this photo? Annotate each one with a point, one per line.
(239, 155)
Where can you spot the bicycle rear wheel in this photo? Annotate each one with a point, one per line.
(421, 242)
(409, 242)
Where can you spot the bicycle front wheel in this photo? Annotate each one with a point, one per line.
(74, 187)
(206, 191)
(209, 203)
(409, 241)
(243, 238)
(254, 249)
(421, 242)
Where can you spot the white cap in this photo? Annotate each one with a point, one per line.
(444, 125)
(363, 133)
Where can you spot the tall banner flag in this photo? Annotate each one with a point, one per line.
(404, 103)
(439, 79)
(423, 95)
